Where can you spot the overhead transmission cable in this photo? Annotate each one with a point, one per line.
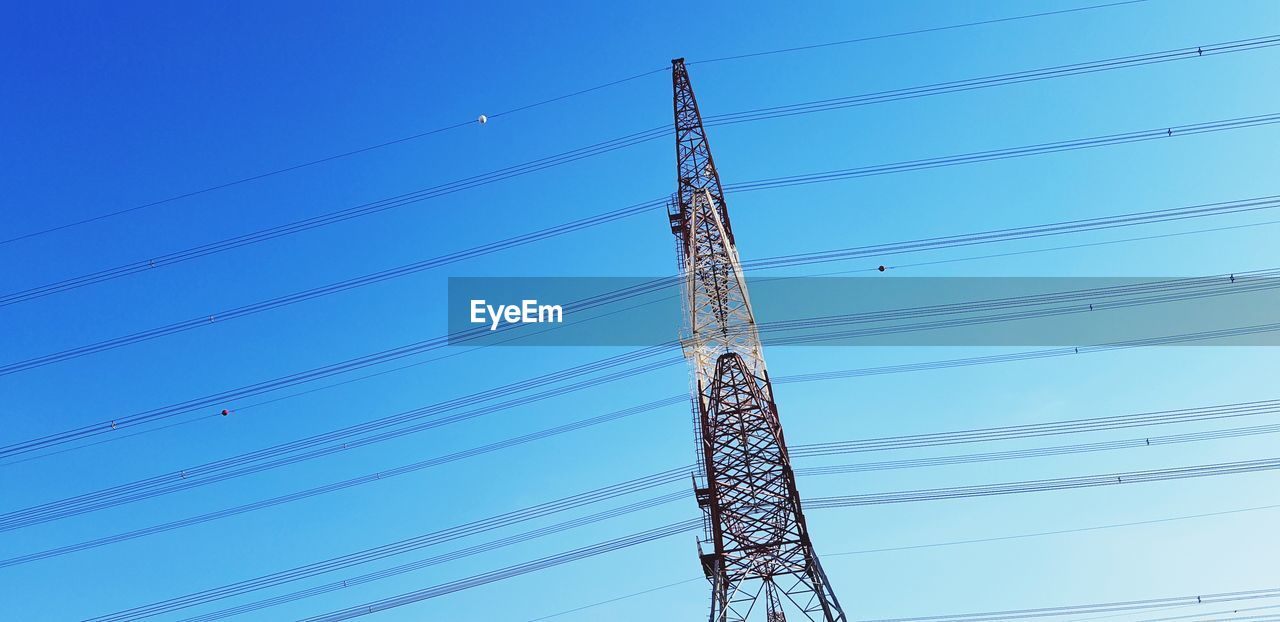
(659, 132)
(894, 266)
(1092, 425)
(326, 566)
(1192, 289)
(1060, 247)
(1105, 607)
(1240, 614)
(536, 104)
(1185, 601)
(165, 412)
(909, 547)
(817, 503)
(878, 250)
(670, 530)
(814, 46)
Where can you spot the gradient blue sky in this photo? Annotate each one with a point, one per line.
(108, 106)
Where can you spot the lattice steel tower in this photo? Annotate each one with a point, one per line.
(761, 564)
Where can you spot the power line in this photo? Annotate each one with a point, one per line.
(1055, 532)
(814, 46)
(273, 580)
(1254, 618)
(348, 438)
(969, 84)
(529, 106)
(1062, 483)
(416, 565)
(1098, 424)
(1036, 354)
(1002, 154)
(1038, 452)
(193, 477)
(882, 250)
(638, 138)
(1022, 233)
(615, 599)
(1040, 430)
(911, 547)
(1105, 607)
(259, 388)
(510, 571)
(1028, 307)
(196, 482)
(178, 524)
(245, 407)
(317, 569)
(326, 566)
(1233, 618)
(113, 497)
(824, 502)
(621, 543)
(172, 410)
(1065, 247)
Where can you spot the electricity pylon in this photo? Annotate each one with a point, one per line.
(761, 565)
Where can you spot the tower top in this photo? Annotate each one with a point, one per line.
(695, 168)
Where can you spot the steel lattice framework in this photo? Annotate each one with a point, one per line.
(761, 565)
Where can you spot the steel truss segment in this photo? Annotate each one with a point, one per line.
(719, 309)
(761, 563)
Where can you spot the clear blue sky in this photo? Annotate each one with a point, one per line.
(108, 106)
